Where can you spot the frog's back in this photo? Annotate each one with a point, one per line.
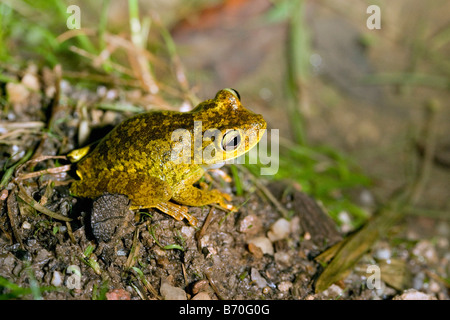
(142, 142)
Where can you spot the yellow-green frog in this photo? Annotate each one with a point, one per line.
(155, 158)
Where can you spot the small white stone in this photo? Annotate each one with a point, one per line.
(279, 230)
(383, 254)
(26, 225)
(263, 243)
(56, 279)
(31, 81)
(257, 278)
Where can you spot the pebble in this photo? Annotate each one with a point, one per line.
(279, 230)
(413, 294)
(345, 220)
(169, 292)
(251, 224)
(263, 243)
(31, 82)
(434, 287)
(257, 278)
(333, 292)
(284, 286)
(383, 253)
(255, 251)
(199, 286)
(56, 279)
(26, 225)
(283, 258)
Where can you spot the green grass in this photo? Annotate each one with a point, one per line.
(10, 290)
(325, 174)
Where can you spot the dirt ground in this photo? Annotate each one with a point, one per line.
(256, 252)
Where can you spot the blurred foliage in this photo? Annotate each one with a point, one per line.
(324, 173)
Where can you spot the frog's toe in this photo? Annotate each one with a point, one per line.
(221, 196)
(177, 212)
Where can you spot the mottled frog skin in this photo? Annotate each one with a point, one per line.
(141, 158)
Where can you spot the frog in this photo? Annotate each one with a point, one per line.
(156, 158)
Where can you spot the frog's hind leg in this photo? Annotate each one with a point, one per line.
(176, 211)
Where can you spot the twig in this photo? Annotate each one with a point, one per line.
(213, 286)
(31, 202)
(135, 247)
(69, 231)
(202, 231)
(35, 174)
(13, 211)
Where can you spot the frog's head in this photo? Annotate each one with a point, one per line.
(228, 129)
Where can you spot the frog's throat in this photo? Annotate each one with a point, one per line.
(212, 166)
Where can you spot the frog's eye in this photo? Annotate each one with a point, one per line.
(234, 93)
(231, 140)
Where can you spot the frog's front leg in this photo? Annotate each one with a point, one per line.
(189, 195)
(192, 196)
